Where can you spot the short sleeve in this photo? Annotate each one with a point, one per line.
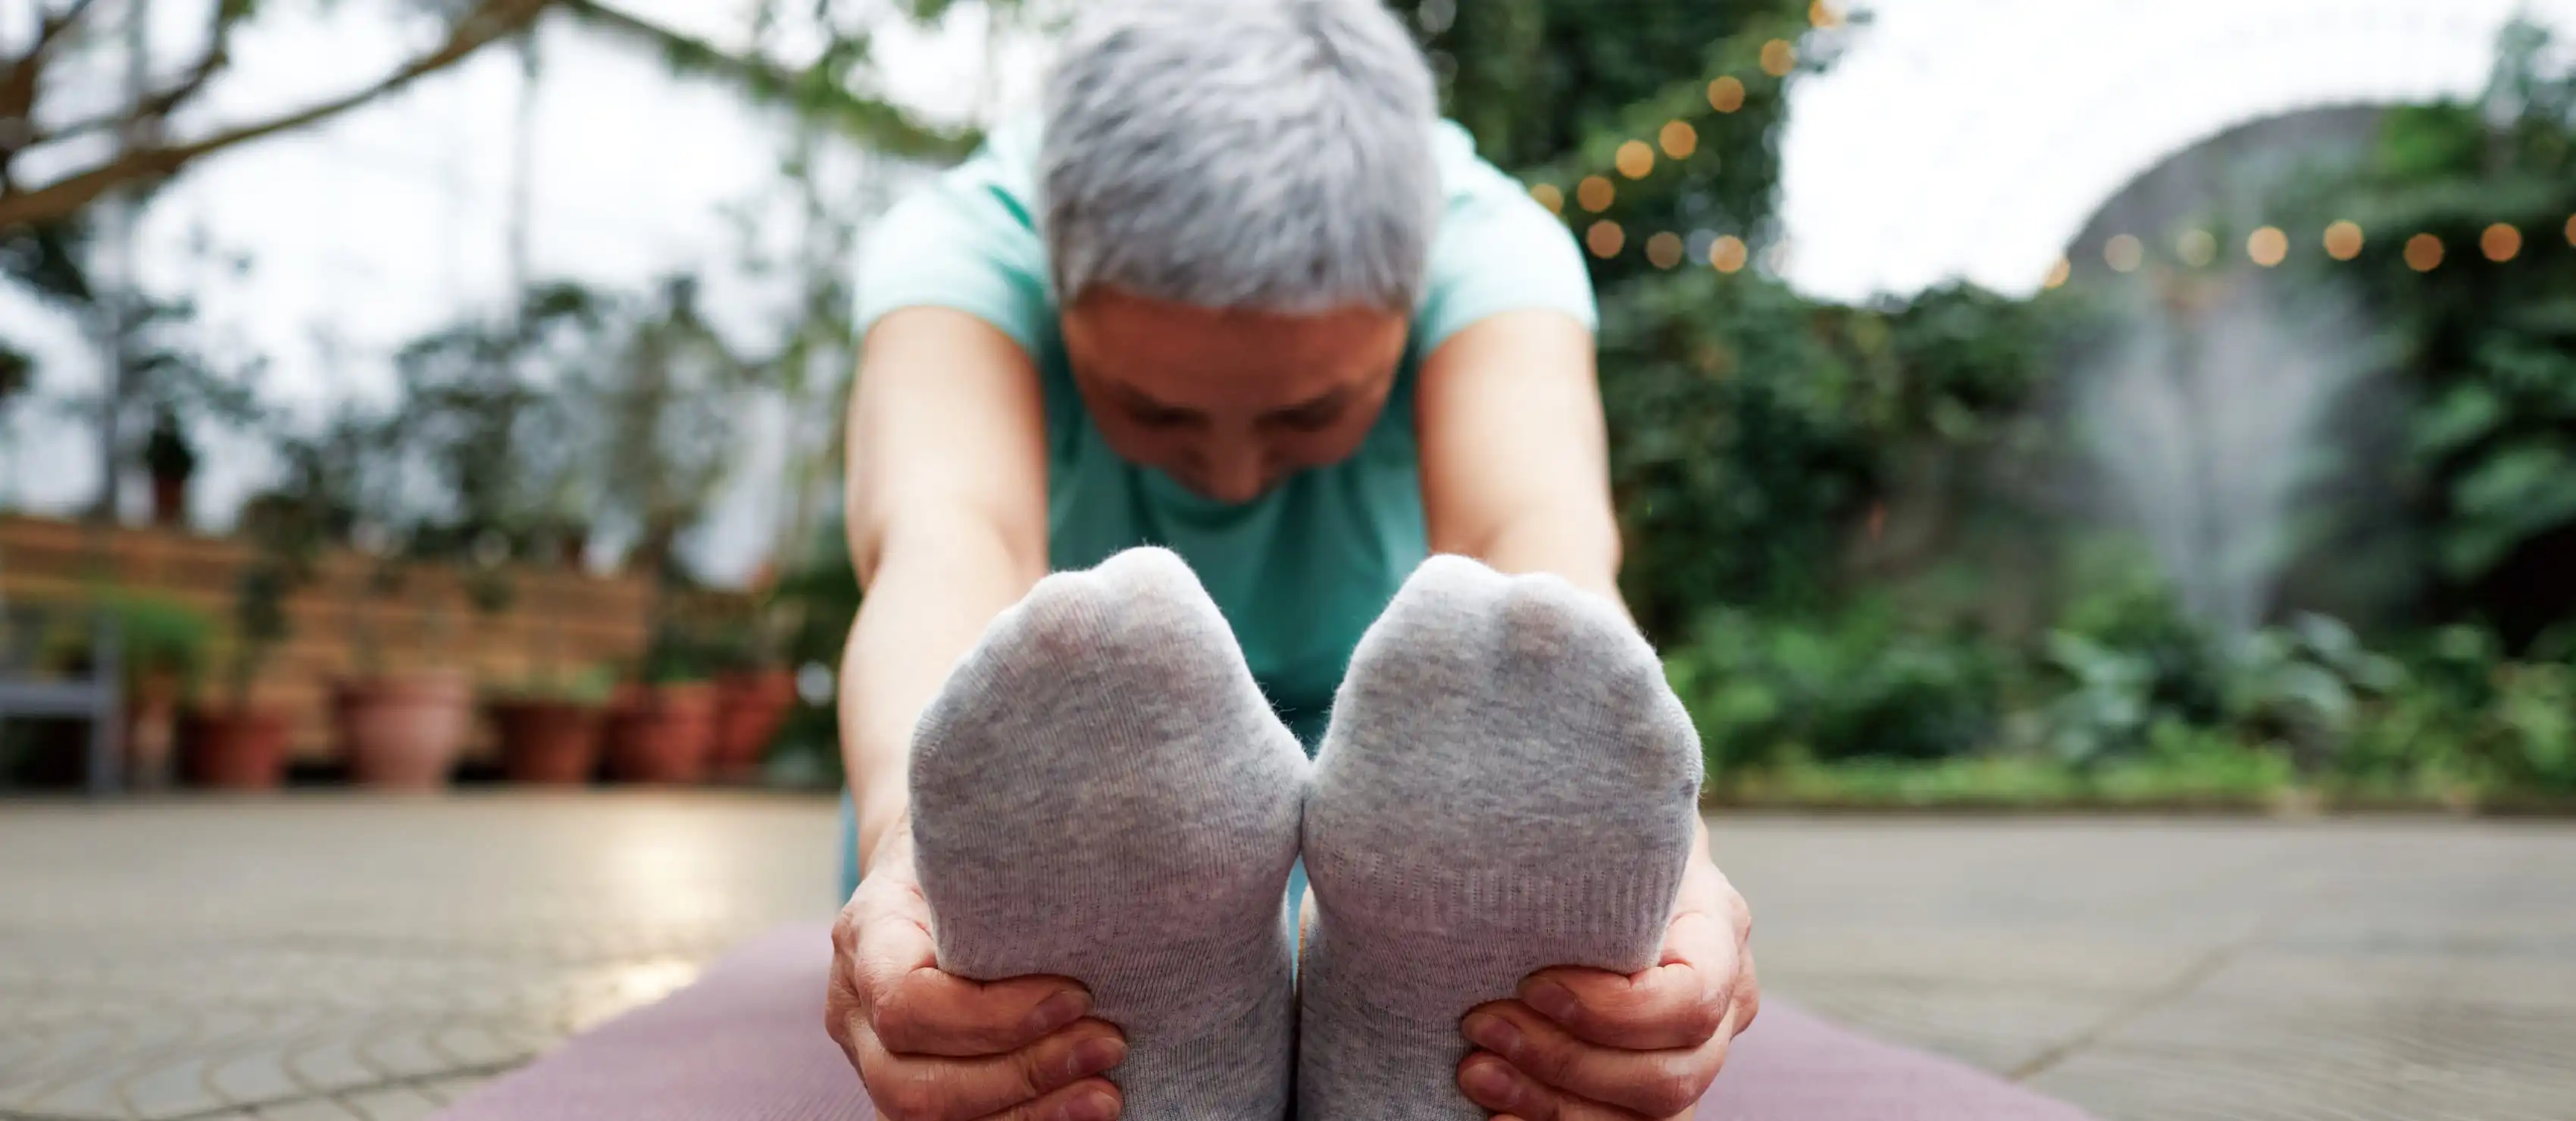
(1498, 250)
(968, 240)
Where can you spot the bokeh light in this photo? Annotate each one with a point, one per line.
(2268, 246)
(1664, 250)
(2343, 241)
(1636, 160)
(1726, 95)
(2423, 252)
(2058, 273)
(1595, 193)
(1605, 239)
(1679, 139)
(1728, 254)
(2197, 248)
(1779, 58)
(1548, 196)
(2124, 253)
(2571, 229)
(1821, 14)
(2501, 242)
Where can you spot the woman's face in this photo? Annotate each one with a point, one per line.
(1230, 402)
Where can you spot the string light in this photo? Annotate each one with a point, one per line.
(2343, 241)
(2198, 248)
(1778, 58)
(2423, 252)
(1728, 254)
(1664, 250)
(2268, 246)
(2058, 273)
(1636, 160)
(2124, 253)
(2500, 242)
(1726, 95)
(1679, 139)
(1549, 197)
(1606, 239)
(1595, 193)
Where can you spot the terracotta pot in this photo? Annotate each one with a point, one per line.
(663, 733)
(750, 709)
(169, 500)
(553, 743)
(404, 733)
(151, 730)
(237, 749)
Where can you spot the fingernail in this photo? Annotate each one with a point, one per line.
(1091, 1056)
(1092, 1106)
(1057, 1011)
(1494, 1033)
(1491, 1086)
(1551, 999)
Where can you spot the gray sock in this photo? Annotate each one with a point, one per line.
(1100, 792)
(1508, 784)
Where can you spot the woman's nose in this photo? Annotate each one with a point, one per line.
(1234, 472)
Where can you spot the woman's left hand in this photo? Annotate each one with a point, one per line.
(1591, 1045)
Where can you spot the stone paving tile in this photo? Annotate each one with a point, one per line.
(333, 957)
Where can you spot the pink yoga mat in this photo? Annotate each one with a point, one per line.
(746, 1043)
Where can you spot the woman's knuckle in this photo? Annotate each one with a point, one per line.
(902, 1098)
(1675, 1086)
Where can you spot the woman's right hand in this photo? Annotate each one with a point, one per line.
(934, 1047)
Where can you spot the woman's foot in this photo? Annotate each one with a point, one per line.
(1508, 784)
(1101, 792)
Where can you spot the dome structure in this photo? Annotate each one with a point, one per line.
(1975, 139)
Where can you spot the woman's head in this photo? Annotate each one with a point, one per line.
(1240, 201)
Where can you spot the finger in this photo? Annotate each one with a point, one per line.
(1652, 1083)
(930, 1013)
(929, 1088)
(1493, 1084)
(1092, 1099)
(1679, 1003)
(1748, 995)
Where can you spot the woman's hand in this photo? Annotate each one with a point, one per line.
(933, 1047)
(1589, 1045)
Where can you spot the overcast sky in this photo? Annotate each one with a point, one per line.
(1956, 138)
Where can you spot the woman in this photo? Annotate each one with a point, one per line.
(1242, 295)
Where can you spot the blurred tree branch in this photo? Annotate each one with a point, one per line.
(818, 92)
(484, 23)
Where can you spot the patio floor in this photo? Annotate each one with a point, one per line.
(330, 956)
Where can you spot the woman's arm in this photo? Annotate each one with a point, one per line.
(947, 520)
(947, 525)
(1516, 473)
(1515, 460)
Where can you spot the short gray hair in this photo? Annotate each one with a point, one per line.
(1269, 155)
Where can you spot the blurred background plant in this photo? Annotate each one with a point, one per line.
(2185, 525)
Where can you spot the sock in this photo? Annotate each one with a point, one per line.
(1101, 792)
(1508, 784)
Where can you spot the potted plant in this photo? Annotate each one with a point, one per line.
(164, 648)
(171, 461)
(548, 728)
(398, 729)
(238, 745)
(755, 691)
(662, 728)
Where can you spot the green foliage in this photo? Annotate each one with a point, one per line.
(1854, 685)
(161, 636)
(2489, 459)
(1753, 431)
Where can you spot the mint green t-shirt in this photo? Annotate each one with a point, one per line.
(1301, 571)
